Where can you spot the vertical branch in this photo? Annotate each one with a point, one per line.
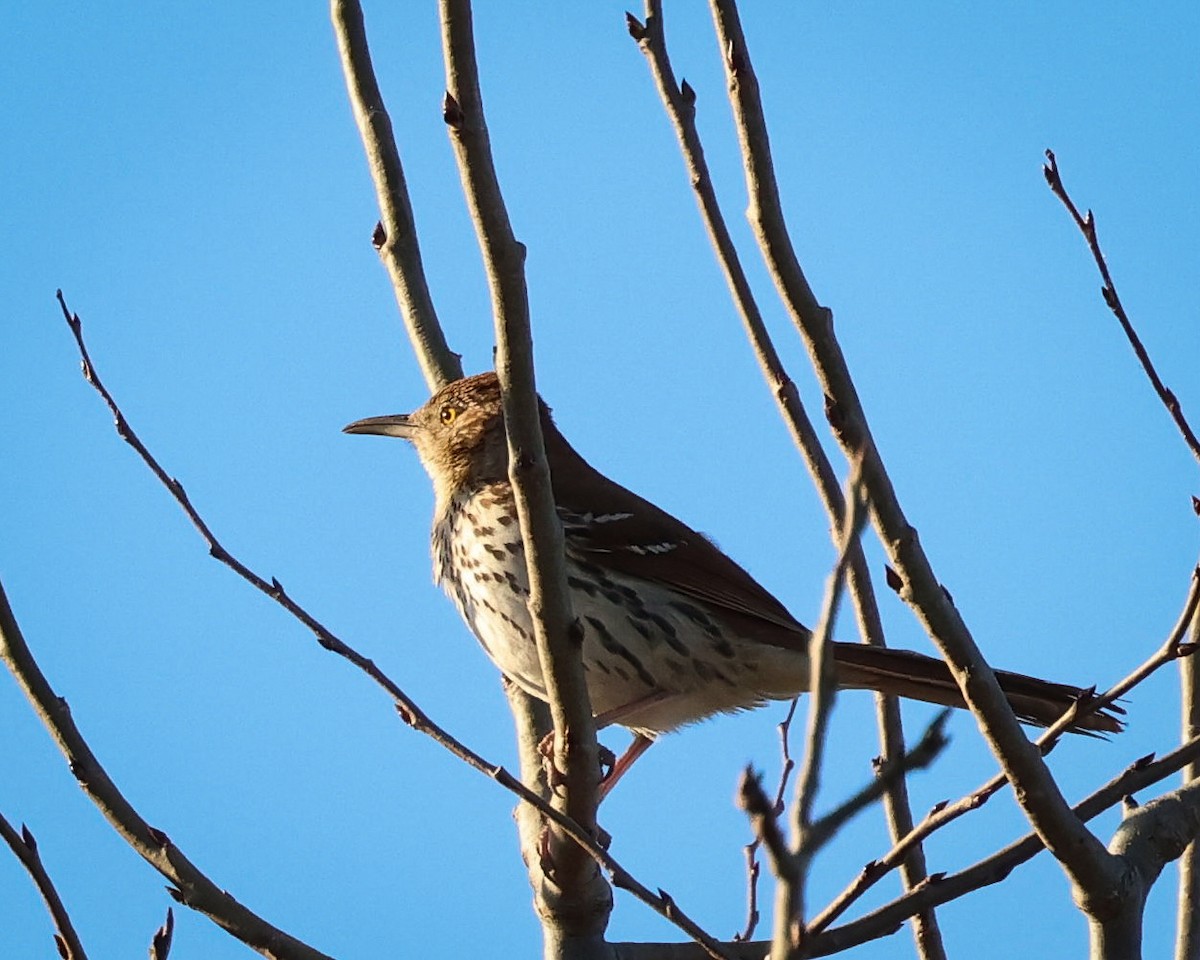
(1188, 921)
(1083, 856)
(679, 100)
(576, 898)
(788, 934)
(395, 235)
(822, 684)
(1187, 926)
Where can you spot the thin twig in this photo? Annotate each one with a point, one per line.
(790, 866)
(1087, 226)
(753, 871)
(127, 820)
(822, 682)
(788, 928)
(923, 753)
(679, 99)
(25, 847)
(395, 236)
(764, 820)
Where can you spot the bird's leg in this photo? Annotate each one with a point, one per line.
(639, 745)
(611, 769)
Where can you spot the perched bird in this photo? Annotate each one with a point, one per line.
(673, 629)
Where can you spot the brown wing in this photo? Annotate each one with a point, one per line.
(622, 532)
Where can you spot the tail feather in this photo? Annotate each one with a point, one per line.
(918, 677)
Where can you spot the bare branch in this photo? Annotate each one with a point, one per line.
(583, 903)
(1187, 928)
(679, 100)
(792, 871)
(1083, 856)
(944, 813)
(922, 755)
(396, 234)
(1149, 838)
(822, 683)
(764, 820)
(406, 707)
(189, 885)
(25, 847)
(941, 889)
(1087, 226)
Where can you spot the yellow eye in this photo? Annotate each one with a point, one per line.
(449, 414)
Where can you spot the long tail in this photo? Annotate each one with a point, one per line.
(913, 675)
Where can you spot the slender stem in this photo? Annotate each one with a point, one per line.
(943, 814)
(24, 846)
(1087, 226)
(884, 920)
(789, 927)
(396, 234)
(1141, 775)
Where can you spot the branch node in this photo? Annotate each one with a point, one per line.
(452, 113)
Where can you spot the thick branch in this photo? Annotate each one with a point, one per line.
(1149, 838)
(1187, 928)
(396, 234)
(576, 903)
(1083, 856)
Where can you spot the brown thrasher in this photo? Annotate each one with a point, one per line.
(673, 629)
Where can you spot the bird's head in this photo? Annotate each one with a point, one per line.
(458, 433)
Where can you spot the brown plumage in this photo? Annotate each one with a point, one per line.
(674, 630)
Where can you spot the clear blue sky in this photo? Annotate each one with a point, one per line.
(191, 177)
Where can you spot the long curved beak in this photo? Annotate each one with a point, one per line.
(395, 425)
